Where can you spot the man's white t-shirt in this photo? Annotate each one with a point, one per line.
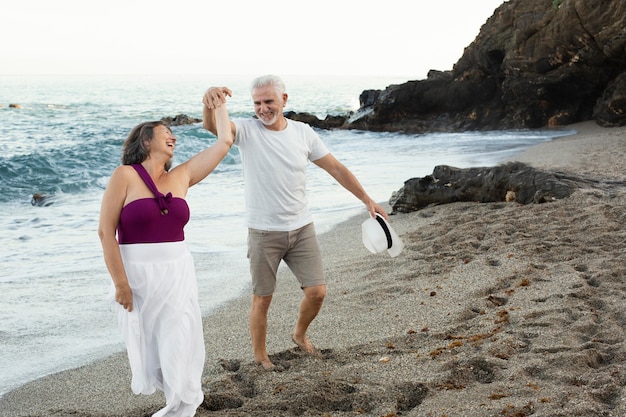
(274, 168)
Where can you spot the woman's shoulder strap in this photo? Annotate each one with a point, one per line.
(145, 176)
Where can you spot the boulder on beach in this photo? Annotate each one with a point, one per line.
(511, 182)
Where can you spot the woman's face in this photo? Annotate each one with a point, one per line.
(163, 141)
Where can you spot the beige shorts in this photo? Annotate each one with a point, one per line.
(298, 248)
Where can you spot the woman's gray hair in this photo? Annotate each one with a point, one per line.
(272, 80)
(136, 147)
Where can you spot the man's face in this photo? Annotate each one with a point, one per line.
(268, 105)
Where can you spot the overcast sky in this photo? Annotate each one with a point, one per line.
(319, 37)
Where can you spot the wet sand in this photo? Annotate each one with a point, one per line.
(494, 309)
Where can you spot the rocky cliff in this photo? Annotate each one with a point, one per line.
(535, 63)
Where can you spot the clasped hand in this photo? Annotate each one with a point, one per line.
(216, 96)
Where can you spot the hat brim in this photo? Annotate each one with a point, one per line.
(378, 235)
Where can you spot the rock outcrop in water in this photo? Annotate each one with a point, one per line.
(180, 120)
(535, 63)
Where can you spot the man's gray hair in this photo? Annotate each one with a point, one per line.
(265, 80)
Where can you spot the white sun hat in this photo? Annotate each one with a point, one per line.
(378, 235)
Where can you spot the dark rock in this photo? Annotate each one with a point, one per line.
(447, 184)
(330, 122)
(41, 200)
(179, 120)
(610, 111)
(532, 65)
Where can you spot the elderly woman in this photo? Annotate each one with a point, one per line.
(142, 218)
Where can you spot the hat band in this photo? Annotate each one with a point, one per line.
(382, 223)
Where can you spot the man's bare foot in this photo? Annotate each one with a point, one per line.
(305, 345)
(266, 364)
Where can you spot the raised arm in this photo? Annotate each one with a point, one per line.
(203, 163)
(349, 181)
(214, 98)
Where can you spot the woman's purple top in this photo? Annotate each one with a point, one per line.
(152, 220)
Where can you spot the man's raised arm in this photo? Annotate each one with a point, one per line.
(213, 98)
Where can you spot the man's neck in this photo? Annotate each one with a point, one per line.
(281, 124)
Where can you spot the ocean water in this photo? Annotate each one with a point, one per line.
(65, 140)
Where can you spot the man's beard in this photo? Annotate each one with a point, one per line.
(269, 122)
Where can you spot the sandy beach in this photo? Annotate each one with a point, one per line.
(494, 309)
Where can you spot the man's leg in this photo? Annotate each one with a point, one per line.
(309, 307)
(258, 329)
(305, 261)
(265, 251)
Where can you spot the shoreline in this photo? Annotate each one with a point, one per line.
(456, 316)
